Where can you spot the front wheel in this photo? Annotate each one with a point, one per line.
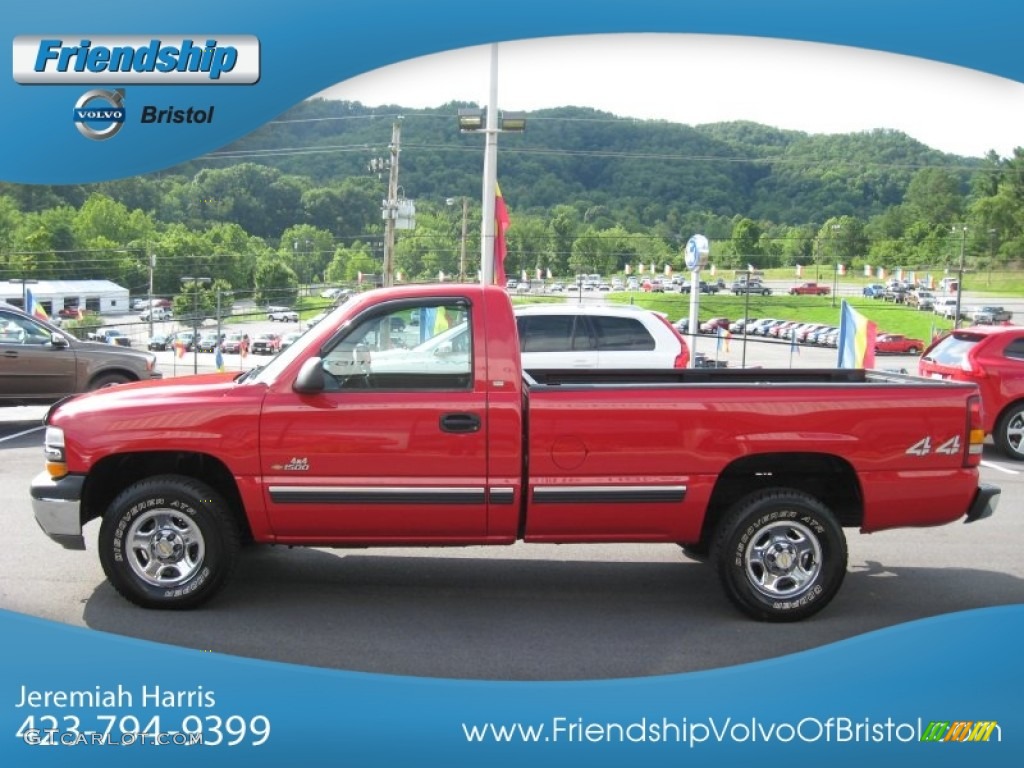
(780, 555)
(168, 542)
(108, 380)
(1009, 434)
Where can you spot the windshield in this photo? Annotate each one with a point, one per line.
(953, 349)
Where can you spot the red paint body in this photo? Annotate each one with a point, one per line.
(582, 458)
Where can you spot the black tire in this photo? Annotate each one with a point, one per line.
(780, 555)
(1009, 433)
(109, 380)
(913, 350)
(168, 542)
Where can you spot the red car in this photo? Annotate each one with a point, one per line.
(810, 289)
(266, 344)
(897, 344)
(991, 356)
(712, 325)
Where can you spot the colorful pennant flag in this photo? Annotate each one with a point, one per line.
(33, 308)
(856, 339)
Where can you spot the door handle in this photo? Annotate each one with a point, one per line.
(460, 422)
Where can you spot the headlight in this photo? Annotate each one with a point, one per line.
(53, 450)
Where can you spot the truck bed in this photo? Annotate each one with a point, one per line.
(558, 378)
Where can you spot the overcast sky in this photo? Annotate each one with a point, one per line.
(697, 79)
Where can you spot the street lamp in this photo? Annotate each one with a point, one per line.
(24, 281)
(195, 282)
(487, 121)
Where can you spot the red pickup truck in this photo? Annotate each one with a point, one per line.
(354, 436)
(810, 289)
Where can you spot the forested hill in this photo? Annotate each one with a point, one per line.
(656, 170)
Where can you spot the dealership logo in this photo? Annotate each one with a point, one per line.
(99, 115)
(148, 59)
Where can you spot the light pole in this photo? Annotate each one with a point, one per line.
(195, 283)
(24, 281)
(307, 247)
(471, 120)
(835, 266)
(152, 266)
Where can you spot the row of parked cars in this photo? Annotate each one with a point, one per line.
(233, 342)
(820, 334)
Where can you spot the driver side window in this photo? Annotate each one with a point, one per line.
(412, 347)
(15, 329)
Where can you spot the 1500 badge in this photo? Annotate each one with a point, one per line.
(295, 465)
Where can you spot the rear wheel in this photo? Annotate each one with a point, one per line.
(1009, 434)
(168, 542)
(780, 555)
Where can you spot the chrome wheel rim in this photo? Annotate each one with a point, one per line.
(164, 547)
(1015, 433)
(783, 560)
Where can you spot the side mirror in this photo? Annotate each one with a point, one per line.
(311, 379)
(59, 341)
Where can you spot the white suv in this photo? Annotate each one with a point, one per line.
(946, 307)
(565, 336)
(282, 314)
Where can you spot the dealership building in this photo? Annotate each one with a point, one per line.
(101, 296)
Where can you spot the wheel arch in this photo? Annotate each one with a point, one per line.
(111, 475)
(1015, 403)
(830, 479)
(127, 374)
(998, 424)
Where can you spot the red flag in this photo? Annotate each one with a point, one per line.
(501, 223)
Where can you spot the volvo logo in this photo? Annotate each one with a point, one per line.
(99, 114)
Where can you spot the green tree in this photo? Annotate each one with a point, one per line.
(276, 282)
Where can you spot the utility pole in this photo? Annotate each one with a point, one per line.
(152, 266)
(960, 274)
(391, 206)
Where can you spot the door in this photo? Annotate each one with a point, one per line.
(395, 448)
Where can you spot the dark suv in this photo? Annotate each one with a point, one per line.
(992, 356)
(41, 363)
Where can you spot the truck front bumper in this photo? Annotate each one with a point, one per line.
(57, 505)
(985, 502)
